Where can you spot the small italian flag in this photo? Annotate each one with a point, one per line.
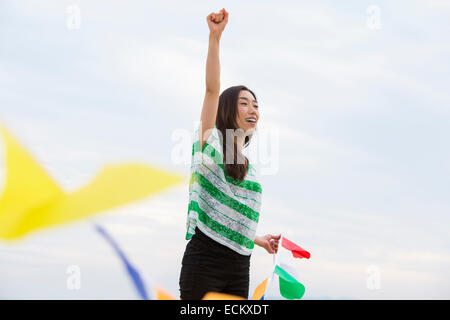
(284, 276)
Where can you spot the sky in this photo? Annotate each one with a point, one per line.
(352, 143)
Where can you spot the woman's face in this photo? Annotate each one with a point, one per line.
(248, 114)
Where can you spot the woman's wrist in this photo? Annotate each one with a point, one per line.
(257, 241)
(215, 36)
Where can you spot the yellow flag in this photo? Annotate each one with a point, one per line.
(221, 296)
(32, 200)
(162, 294)
(260, 290)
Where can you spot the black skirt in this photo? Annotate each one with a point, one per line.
(209, 266)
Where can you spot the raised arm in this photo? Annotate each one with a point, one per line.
(216, 24)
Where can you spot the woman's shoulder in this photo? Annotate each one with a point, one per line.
(251, 169)
(213, 138)
(210, 156)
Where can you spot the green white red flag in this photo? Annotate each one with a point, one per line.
(284, 278)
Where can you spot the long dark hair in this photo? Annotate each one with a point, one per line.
(226, 119)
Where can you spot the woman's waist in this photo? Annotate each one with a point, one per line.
(219, 249)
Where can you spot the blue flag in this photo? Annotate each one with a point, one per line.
(132, 272)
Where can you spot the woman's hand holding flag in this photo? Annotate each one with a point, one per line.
(268, 242)
(287, 279)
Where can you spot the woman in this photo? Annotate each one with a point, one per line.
(224, 195)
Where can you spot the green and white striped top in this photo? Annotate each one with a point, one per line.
(225, 209)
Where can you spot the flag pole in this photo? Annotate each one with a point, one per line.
(274, 263)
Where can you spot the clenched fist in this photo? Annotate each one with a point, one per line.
(217, 21)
